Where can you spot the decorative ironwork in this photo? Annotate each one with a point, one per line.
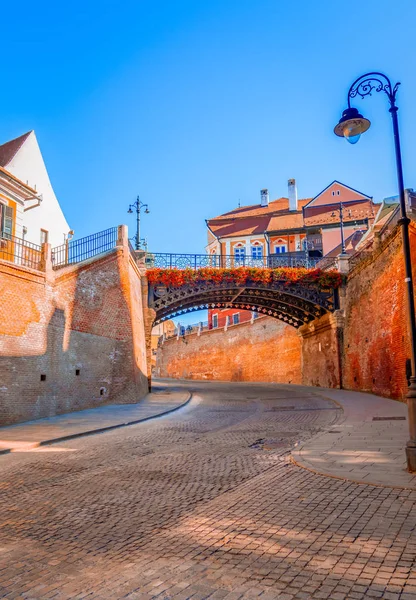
(74, 251)
(222, 261)
(378, 82)
(293, 303)
(20, 252)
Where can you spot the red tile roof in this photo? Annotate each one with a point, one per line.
(255, 210)
(9, 149)
(256, 219)
(327, 214)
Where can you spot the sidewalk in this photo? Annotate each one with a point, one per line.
(41, 432)
(367, 445)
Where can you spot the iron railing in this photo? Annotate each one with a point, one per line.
(20, 252)
(197, 261)
(74, 251)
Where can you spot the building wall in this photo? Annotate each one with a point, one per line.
(331, 238)
(341, 193)
(376, 339)
(222, 314)
(28, 166)
(267, 350)
(80, 329)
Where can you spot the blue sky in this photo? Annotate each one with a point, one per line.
(197, 104)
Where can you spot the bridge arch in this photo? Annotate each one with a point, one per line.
(294, 303)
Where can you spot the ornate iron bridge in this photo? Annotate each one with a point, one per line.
(196, 261)
(293, 303)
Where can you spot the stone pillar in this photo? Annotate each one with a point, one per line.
(123, 236)
(46, 262)
(343, 263)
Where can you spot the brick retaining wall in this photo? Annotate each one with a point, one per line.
(267, 350)
(72, 339)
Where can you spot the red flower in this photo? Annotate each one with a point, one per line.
(241, 275)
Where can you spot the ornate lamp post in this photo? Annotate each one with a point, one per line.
(137, 206)
(341, 221)
(351, 125)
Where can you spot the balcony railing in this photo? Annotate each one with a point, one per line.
(74, 251)
(197, 261)
(20, 252)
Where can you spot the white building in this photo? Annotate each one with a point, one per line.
(41, 219)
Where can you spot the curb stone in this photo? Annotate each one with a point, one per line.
(99, 430)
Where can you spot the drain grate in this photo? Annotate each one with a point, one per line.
(389, 418)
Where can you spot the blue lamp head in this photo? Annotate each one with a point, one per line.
(351, 125)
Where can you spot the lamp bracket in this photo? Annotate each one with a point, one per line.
(378, 82)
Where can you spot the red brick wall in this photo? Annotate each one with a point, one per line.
(376, 341)
(321, 352)
(267, 350)
(87, 318)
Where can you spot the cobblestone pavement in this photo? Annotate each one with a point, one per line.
(203, 503)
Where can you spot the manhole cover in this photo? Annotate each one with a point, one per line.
(389, 418)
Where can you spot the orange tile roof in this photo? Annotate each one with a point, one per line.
(256, 219)
(255, 210)
(327, 215)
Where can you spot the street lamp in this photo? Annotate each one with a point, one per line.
(341, 220)
(351, 125)
(137, 206)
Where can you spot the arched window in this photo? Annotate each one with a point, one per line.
(239, 253)
(256, 251)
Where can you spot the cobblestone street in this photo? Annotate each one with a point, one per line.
(202, 503)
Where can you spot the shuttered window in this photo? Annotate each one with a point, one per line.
(6, 221)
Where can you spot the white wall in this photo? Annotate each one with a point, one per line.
(28, 166)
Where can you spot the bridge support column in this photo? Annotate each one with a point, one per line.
(149, 316)
(323, 350)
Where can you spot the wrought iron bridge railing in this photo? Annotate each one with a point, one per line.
(20, 252)
(74, 251)
(197, 261)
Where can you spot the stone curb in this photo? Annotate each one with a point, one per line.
(98, 430)
(299, 462)
(297, 458)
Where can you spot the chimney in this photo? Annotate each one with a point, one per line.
(264, 195)
(292, 194)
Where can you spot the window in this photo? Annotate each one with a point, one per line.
(236, 318)
(44, 236)
(280, 249)
(240, 254)
(257, 252)
(336, 192)
(6, 221)
(214, 321)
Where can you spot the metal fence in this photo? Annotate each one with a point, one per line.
(20, 252)
(74, 251)
(197, 261)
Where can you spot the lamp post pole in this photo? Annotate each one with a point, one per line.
(341, 220)
(351, 126)
(137, 206)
